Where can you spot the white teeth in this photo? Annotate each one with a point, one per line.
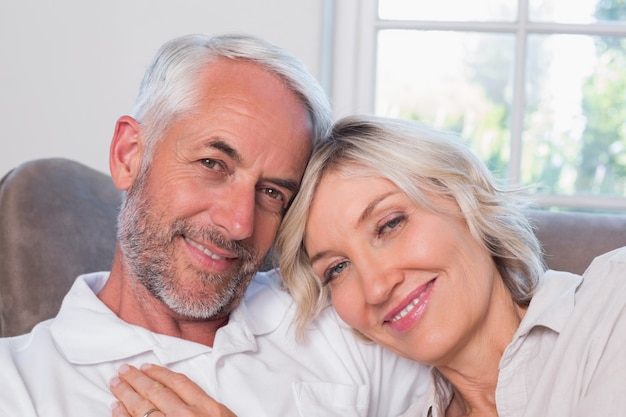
(406, 310)
(205, 250)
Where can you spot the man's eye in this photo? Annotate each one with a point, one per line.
(272, 199)
(274, 194)
(210, 163)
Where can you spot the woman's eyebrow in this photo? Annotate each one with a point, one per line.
(363, 217)
(318, 256)
(367, 212)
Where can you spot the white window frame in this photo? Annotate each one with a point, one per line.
(349, 56)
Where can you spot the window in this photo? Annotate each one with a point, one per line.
(536, 87)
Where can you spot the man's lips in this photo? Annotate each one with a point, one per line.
(412, 304)
(207, 252)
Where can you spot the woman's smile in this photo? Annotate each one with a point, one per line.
(404, 317)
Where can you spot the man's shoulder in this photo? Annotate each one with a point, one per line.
(267, 284)
(270, 278)
(16, 349)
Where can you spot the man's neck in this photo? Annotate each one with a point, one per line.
(135, 305)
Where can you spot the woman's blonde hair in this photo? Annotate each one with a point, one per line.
(420, 161)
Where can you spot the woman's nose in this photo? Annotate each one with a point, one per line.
(378, 281)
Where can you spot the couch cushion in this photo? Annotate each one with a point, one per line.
(57, 220)
(572, 240)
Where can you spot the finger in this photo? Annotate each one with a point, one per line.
(187, 390)
(118, 410)
(134, 402)
(199, 403)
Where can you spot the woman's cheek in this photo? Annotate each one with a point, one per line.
(348, 305)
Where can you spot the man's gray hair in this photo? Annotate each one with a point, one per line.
(170, 85)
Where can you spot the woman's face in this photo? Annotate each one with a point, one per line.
(410, 279)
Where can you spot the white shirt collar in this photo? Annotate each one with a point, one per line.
(552, 304)
(88, 332)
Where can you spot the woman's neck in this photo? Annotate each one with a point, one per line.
(474, 370)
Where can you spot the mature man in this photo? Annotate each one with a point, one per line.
(212, 156)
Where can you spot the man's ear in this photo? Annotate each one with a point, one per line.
(126, 152)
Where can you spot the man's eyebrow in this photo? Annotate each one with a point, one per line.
(292, 186)
(222, 146)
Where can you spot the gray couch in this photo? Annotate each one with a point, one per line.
(57, 220)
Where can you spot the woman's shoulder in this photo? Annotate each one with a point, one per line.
(615, 259)
(606, 274)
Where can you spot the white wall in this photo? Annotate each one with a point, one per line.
(70, 68)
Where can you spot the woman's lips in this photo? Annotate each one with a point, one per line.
(408, 313)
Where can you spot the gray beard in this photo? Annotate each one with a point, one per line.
(148, 251)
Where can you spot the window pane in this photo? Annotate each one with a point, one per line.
(577, 11)
(452, 80)
(574, 140)
(454, 10)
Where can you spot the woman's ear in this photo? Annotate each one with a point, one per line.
(126, 152)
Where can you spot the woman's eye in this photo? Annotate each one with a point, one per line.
(334, 271)
(390, 225)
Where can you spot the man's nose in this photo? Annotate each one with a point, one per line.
(234, 213)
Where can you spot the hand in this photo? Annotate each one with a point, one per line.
(169, 393)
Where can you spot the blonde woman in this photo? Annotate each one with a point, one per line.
(404, 231)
